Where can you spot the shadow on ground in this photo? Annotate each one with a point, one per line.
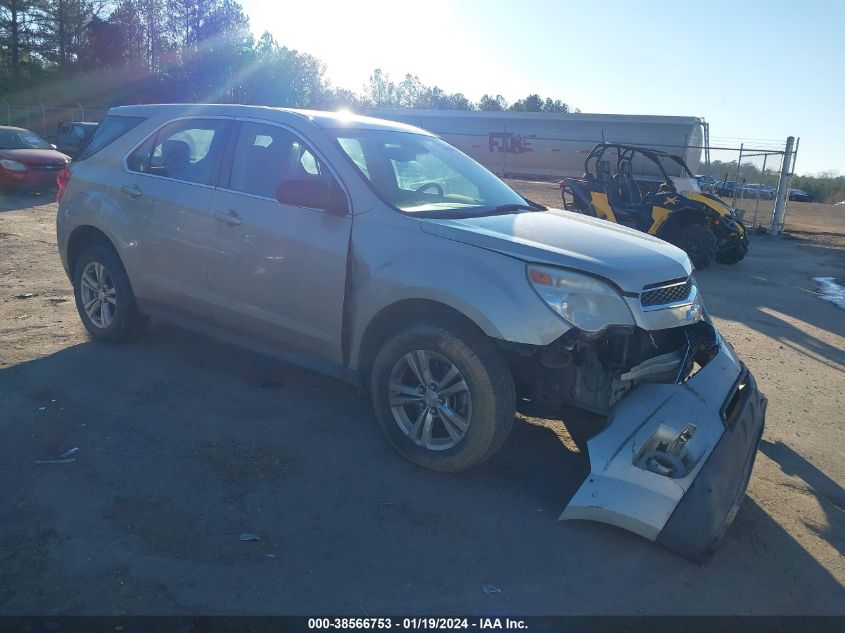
(830, 495)
(185, 443)
(771, 294)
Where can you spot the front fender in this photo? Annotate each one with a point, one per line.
(725, 217)
(695, 212)
(712, 202)
(489, 288)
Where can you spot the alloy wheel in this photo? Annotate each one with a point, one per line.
(98, 295)
(430, 400)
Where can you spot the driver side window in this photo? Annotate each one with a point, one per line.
(268, 158)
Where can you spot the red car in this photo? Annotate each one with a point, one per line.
(27, 161)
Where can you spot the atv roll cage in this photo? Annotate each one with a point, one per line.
(663, 199)
(625, 155)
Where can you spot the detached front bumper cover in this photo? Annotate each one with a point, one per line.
(674, 462)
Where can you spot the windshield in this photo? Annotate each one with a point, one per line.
(425, 175)
(686, 185)
(22, 139)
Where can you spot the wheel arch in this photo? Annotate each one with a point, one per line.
(693, 213)
(80, 238)
(392, 318)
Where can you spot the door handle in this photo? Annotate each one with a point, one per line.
(230, 217)
(133, 191)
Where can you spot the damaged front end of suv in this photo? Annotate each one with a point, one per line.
(673, 417)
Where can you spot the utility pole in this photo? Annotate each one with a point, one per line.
(783, 189)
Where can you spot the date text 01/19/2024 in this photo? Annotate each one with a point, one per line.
(417, 623)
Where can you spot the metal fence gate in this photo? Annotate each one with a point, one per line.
(753, 176)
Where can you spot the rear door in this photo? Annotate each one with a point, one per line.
(277, 271)
(172, 176)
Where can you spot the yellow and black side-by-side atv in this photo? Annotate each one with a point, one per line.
(672, 208)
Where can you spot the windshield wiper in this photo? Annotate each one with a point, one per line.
(502, 209)
(505, 209)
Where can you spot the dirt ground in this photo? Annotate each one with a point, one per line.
(185, 443)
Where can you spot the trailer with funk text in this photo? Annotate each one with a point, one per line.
(552, 145)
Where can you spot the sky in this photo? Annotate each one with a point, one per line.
(753, 69)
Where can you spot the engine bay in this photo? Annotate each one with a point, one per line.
(593, 372)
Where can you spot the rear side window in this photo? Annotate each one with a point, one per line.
(187, 150)
(110, 129)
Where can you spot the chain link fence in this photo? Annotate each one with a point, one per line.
(746, 175)
(44, 120)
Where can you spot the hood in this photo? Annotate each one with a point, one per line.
(629, 258)
(34, 155)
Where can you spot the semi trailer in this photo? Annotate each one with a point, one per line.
(548, 145)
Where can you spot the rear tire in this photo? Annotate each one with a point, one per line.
(104, 297)
(466, 412)
(699, 243)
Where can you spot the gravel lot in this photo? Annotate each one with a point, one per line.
(185, 443)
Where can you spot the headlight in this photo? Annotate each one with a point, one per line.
(12, 165)
(586, 302)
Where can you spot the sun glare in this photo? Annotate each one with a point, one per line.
(436, 43)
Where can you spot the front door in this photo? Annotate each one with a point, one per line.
(174, 171)
(277, 271)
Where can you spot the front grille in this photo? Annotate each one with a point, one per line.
(47, 166)
(702, 346)
(665, 293)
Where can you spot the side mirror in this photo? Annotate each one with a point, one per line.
(313, 193)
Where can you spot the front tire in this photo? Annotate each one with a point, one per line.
(699, 243)
(733, 252)
(443, 396)
(104, 297)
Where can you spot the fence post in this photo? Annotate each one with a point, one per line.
(760, 191)
(783, 188)
(8, 112)
(791, 176)
(738, 166)
(43, 121)
(82, 110)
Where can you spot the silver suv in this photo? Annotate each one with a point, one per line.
(378, 253)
